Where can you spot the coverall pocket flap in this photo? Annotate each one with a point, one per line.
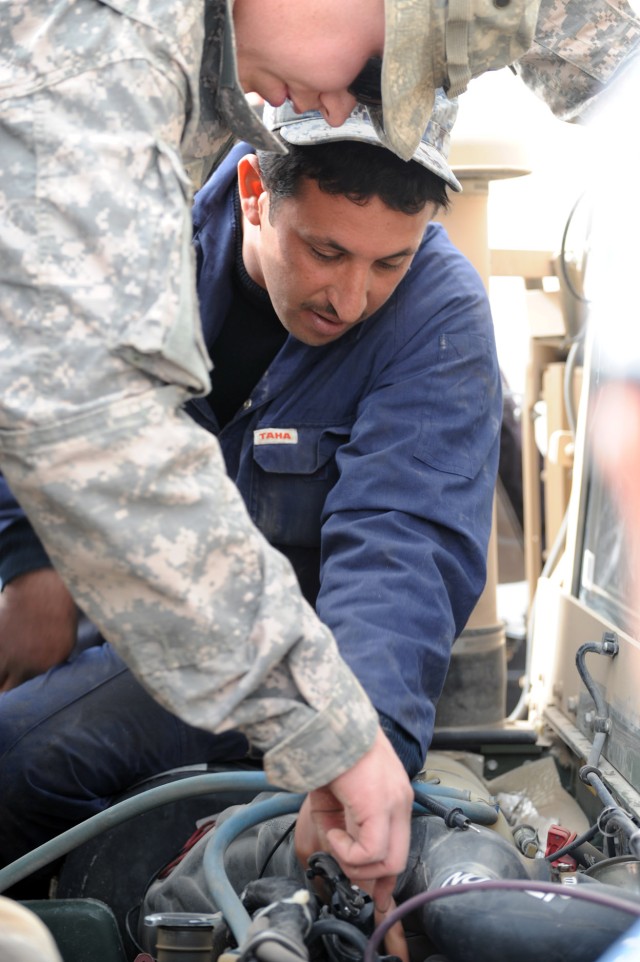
(307, 451)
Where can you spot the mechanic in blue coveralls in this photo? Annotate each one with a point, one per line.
(356, 397)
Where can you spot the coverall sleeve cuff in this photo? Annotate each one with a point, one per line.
(326, 746)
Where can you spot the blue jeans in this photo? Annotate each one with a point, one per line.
(75, 738)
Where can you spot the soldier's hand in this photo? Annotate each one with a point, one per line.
(38, 623)
(363, 818)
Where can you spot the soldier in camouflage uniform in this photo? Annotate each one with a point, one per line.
(101, 346)
(301, 456)
(100, 342)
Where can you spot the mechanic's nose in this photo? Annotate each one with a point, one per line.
(350, 296)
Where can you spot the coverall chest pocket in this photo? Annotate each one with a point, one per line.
(290, 484)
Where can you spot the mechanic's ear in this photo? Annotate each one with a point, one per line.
(250, 187)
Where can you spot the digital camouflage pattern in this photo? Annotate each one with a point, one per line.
(310, 128)
(102, 105)
(100, 346)
(567, 51)
(580, 46)
(442, 43)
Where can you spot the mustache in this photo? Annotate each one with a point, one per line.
(327, 310)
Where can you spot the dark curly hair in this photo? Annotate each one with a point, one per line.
(357, 170)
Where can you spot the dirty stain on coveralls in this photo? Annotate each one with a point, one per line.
(100, 346)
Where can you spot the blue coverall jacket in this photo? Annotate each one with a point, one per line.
(370, 462)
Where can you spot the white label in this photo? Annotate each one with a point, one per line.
(275, 436)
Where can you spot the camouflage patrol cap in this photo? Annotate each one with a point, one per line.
(238, 112)
(442, 43)
(311, 128)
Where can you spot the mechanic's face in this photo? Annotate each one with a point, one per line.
(308, 51)
(327, 262)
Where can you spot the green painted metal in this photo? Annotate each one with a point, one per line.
(82, 928)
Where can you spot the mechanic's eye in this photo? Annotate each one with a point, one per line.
(321, 256)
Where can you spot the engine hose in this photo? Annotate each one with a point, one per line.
(608, 647)
(461, 739)
(222, 892)
(151, 798)
(504, 927)
(475, 811)
(436, 789)
(129, 808)
(615, 814)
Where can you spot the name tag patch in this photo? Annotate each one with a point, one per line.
(275, 436)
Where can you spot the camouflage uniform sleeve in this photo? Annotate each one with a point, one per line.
(580, 47)
(155, 543)
(100, 347)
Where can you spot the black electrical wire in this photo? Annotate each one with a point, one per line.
(274, 848)
(343, 930)
(129, 929)
(578, 840)
(137, 906)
